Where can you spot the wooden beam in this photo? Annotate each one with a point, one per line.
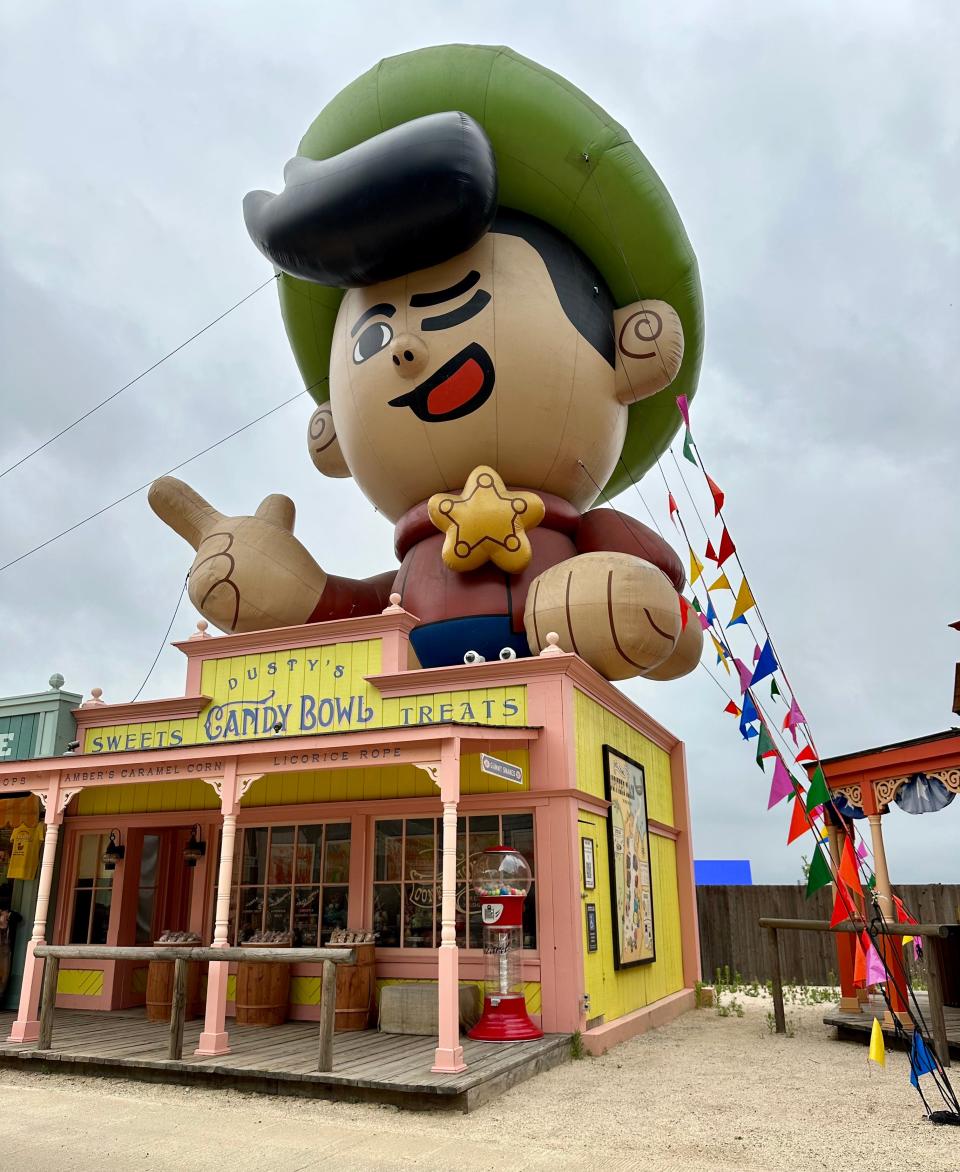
(48, 1000)
(776, 981)
(938, 1027)
(883, 929)
(178, 1007)
(343, 955)
(328, 1007)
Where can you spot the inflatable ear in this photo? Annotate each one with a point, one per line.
(406, 199)
(649, 349)
(323, 445)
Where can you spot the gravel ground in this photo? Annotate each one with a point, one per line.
(704, 1094)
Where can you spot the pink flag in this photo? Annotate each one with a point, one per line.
(782, 784)
(684, 408)
(704, 621)
(756, 652)
(861, 851)
(876, 973)
(746, 674)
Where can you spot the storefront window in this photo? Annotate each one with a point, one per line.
(407, 866)
(92, 893)
(291, 879)
(147, 889)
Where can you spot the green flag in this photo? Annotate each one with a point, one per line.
(765, 745)
(696, 606)
(774, 690)
(818, 794)
(819, 873)
(688, 447)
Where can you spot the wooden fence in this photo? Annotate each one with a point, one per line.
(731, 936)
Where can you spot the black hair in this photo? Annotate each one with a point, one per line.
(584, 295)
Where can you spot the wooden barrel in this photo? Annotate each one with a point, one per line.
(356, 989)
(160, 990)
(263, 991)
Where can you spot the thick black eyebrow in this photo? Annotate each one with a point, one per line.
(462, 313)
(423, 299)
(383, 307)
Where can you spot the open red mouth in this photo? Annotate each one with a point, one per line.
(458, 388)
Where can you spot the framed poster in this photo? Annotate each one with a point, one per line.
(631, 893)
(589, 875)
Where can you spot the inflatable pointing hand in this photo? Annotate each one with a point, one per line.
(250, 573)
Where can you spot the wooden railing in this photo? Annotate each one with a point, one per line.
(938, 1027)
(52, 954)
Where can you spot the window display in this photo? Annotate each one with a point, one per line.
(92, 892)
(407, 868)
(291, 879)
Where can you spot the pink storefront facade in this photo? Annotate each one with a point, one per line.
(332, 784)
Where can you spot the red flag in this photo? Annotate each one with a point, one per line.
(903, 916)
(798, 821)
(672, 503)
(717, 493)
(684, 612)
(860, 960)
(848, 866)
(732, 709)
(726, 547)
(711, 552)
(805, 754)
(843, 908)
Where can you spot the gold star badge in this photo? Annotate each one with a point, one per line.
(486, 522)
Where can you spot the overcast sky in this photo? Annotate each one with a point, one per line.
(812, 150)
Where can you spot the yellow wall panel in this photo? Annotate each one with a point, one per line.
(142, 797)
(80, 982)
(595, 727)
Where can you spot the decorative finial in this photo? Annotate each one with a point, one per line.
(95, 700)
(394, 607)
(56, 681)
(551, 648)
(201, 632)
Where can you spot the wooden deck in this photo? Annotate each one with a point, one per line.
(857, 1026)
(282, 1060)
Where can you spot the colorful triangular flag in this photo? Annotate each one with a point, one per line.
(805, 754)
(921, 1060)
(738, 622)
(819, 874)
(732, 708)
(671, 504)
(717, 493)
(765, 745)
(876, 973)
(711, 613)
(696, 567)
(843, 908)
(722, 583)
(684, 613)
(726, 547)
(766, 664)
(688, 446)
(745, 674)
(711, 553)
(848, 865)
(818, 794)
(744, 600)
(861, 851)
(756, 652)
(876, 1053)
(684, 408)
(775, 691)
(704, 621)
(798, 820)
(782, 785)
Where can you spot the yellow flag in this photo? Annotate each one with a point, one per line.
(722, 583)
(908, 939)
(696, 567)
(744, 601)
(721, 653)
(877, 1053)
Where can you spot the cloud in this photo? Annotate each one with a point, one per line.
(811, 149)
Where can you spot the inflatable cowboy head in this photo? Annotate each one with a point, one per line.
(486, 287)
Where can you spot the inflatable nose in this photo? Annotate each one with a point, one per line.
(409, 354)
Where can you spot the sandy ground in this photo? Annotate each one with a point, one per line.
(706, 1093)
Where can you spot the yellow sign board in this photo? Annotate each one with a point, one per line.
(304, 691)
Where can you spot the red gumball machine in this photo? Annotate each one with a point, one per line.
(501, 884)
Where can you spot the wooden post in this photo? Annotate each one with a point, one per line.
(48, 999)
(938, 1026)
(178, 1007)
(328, 1006)
(777, 982)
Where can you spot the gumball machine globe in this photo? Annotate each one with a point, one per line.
(501, 883)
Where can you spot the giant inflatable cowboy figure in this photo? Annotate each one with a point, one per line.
(486, 286)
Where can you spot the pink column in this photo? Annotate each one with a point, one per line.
(448, 1058)
(214, 1039)
(686, 886)
(26, 1027)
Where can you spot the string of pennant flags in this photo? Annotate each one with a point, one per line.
(810, 799)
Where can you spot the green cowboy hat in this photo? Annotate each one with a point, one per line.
(561, 158)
